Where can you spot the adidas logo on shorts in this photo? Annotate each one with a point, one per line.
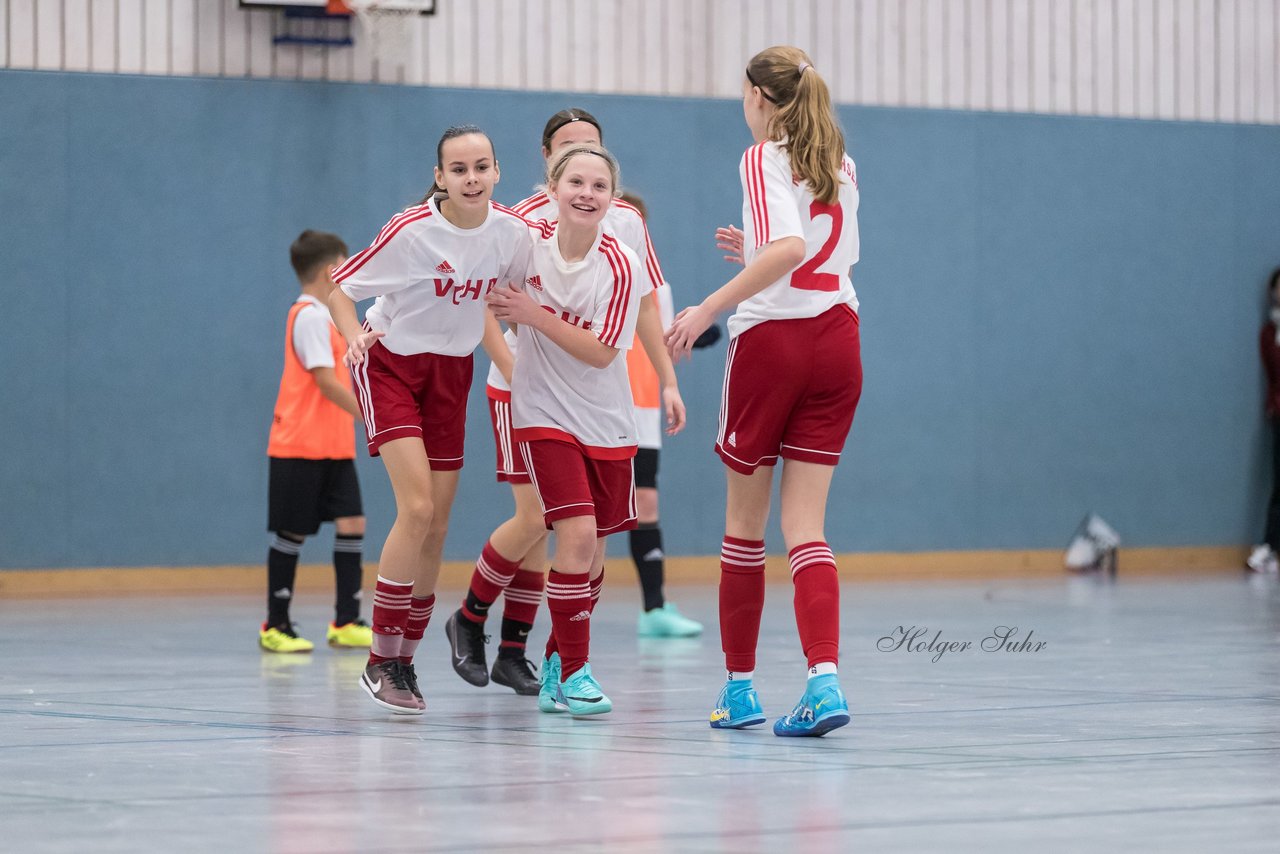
(580, 616)
(733, 438)
(443, 267)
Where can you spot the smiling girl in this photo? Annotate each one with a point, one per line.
(571, 405)
(429, 269)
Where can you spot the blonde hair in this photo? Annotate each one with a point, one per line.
(804, 121)
(558, 163)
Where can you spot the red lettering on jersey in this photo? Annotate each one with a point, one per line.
(443, 286)
(471, 287)
(575, 320)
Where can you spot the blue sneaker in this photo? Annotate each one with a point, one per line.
(737, 706)
(581, 694)
(821, 709)
(667, 622)
(549, 677)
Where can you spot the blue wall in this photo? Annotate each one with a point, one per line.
(1058, 314)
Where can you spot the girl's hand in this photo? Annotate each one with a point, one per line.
(513, 305)
(688, 325)
(359, 346)
(673, 405)
(729, 239)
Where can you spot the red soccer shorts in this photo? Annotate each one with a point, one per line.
(790, 390)
(510, 467)
(569, 483)
(422, 395)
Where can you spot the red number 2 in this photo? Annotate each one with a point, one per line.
(806, 277)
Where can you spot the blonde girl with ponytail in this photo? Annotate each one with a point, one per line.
(793, 376)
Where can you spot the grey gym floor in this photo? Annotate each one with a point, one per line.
(1148, 721)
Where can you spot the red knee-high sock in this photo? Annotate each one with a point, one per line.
(741, 601)
(569, 601)
(420, 608)
(492, 575)
(520, 607)
(817, 601)
(390, 616)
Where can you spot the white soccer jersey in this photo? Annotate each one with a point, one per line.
(555, 395)
(430, 277)
(776, 205)
(312, 343)
(622, 218)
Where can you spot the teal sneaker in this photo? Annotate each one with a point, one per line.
(667, 622)
(821, 709)
(737, 706)
(549, 679)
(581, 694)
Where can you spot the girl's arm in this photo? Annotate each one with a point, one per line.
(343, 311)
(649, 331)
(495, 345)
(772, 263)
(515, 306)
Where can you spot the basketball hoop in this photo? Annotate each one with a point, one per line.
(387, 26)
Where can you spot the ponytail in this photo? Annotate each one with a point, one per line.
(804, 122)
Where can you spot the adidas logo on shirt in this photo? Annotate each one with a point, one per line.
(534, 282)
(443, 267)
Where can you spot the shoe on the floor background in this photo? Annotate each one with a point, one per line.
(582, 695)
(667, 622)
(466, 649)
(282, 639)
(515, 671)
(1263, 559)
(388, 686)
(820, 710)
(355, 635)
(738, 706)
(549, 684)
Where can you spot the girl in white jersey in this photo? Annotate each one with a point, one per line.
(571, 406)
(513, 561)
(792, 379)
(429, 268)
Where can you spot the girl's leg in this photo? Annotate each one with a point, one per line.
(569, 590)
(742, 568)
(804, 492)
(444, 486)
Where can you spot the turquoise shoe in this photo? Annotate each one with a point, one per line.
(581, 694)
(821, 709)
(737, 706)
(549, 678)
(667, 622)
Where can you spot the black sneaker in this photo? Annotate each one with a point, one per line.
(516, 672)
(466, 648)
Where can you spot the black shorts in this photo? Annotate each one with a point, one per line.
(646, 467)
(304, 493)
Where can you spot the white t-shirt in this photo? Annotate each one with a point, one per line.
(555, 395)
(311, 335)
(430, 277)
(775, 205)
(622, 219)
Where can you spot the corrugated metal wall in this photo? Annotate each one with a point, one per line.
(1207, 60)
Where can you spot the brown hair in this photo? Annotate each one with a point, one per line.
(453, 133)
(557, 166)
(313, 250)
(804, 121)
(634, 199)
(564, 117)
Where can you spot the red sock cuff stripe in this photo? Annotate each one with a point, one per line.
(568, 591)
(489, 573)
(810, 554)
(742, 552)
(387, 600)
(529, 596)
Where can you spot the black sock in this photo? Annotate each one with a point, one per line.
(646, 551)
(515, 636)
(282, 569)
(475, 605)
(347, 575)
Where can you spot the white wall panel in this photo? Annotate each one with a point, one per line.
(1195, 60)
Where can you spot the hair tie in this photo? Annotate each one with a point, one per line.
(803, 66)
